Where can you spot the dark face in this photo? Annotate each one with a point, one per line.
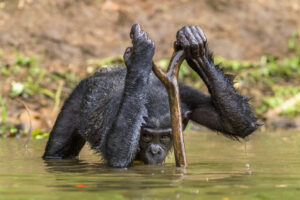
(154, 145)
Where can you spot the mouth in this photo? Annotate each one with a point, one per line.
(153, 161)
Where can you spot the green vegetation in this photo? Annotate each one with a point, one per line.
(31, 83)
(278, 80)
(5, 129)
(3, 110)
(39, 134)
(27, 80)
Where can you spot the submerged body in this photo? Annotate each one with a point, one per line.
(124, 112)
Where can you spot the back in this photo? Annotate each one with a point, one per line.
(102, 97)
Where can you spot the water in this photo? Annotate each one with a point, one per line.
(268, 168)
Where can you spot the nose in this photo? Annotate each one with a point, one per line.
(155, 149)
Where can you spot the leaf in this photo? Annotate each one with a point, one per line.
(16, 89)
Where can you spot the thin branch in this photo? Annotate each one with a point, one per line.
(30, 122)
(170, 80)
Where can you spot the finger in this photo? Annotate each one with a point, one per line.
(203, 37)
(201, 34)
(132, 30)
(141, 37)
(179, 33)
(185, 45)
(145, 35)
(196, 35)
(193, 41)
(177, 46)
(138, 39)
(135, 31)
(201, 47)
(152, 43)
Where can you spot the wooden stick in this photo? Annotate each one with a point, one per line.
(170, 80)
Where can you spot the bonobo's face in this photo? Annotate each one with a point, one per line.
(154, 145)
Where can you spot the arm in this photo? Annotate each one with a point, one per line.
(123, 137)
(226, 110)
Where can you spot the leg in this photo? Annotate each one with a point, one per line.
(65, 140)
(123, 136)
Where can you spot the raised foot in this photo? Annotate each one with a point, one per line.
(142, 50)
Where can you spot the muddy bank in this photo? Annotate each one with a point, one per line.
(73, 31)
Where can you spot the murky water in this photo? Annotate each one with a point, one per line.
(266, 167)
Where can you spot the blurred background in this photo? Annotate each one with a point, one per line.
(48, 46)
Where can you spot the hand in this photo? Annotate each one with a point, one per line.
(192, 40)
(142, 50)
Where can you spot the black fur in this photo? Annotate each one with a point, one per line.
(111, 108)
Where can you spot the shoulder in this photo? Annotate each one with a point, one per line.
(107, 73)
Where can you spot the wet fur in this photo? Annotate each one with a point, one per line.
(109, 108)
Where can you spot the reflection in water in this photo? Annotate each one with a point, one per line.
(72, 166)
(267, 167)
(106, 178)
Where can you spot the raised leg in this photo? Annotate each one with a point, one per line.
(123, 137)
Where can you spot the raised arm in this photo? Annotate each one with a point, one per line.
(122, 139)
(226, 110)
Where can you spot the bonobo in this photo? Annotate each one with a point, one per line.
(123, 112)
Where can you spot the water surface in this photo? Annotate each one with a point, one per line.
(265, 167)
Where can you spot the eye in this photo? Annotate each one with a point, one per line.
(165, 139)
(146, 137)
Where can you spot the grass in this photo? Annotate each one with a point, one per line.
(3, 110)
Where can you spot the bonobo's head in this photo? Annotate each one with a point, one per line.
(154, 145)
